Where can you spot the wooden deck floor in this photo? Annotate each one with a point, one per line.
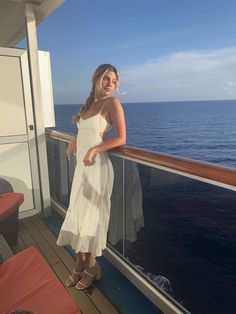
(33, 232)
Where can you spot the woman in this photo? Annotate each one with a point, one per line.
(86, 223)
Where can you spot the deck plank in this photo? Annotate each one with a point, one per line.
(33, 231)
(43, 245)
(66, 258)
(101, 302)
(26, 237)
(19, 246)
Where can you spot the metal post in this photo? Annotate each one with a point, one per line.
(37, 106)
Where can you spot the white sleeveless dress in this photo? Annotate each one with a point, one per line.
(86, 222)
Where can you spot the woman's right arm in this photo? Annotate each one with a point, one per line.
(71, 149)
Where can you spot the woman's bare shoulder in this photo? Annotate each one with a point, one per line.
(113, 103)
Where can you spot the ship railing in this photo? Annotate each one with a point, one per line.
(165, 211)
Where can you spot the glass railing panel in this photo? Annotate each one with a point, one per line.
(51, 170)
(71, 169)
(60, 172)
(176, 231)
(116, 222)
(133, 203)
(180, 235)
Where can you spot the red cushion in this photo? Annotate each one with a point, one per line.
(27, 282)
(9, 202)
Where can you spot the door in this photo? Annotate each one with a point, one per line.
(18, 156)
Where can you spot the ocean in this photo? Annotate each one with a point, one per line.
(198, 130)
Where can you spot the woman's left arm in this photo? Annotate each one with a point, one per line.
(118, 120)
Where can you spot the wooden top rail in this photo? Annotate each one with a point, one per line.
(221, 174)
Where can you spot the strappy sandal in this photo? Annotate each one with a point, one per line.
(73, 278)
(88, 277)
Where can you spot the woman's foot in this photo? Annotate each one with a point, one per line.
(73, 278)
(89, 276)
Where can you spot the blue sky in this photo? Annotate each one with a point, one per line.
(165, 50)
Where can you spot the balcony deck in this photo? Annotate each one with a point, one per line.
(33, 232)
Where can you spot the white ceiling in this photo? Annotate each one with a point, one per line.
(12, 18)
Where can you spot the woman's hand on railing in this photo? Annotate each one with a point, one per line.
(71, 149)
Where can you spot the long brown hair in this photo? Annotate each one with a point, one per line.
(97, 76)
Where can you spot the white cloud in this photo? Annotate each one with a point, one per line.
(185, 75)
(231, 83)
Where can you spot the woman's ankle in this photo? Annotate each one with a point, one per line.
(91, 262)
(79, 267)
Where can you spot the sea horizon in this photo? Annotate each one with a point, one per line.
(158, 101)
(197, 130)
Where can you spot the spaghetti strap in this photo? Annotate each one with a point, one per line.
(103, 104)
(100, 111)
(101, 108)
